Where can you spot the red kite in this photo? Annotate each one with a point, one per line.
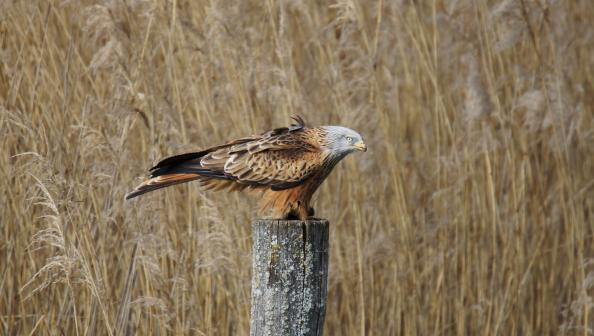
(287, 164)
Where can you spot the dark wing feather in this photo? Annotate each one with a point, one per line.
(164, 166)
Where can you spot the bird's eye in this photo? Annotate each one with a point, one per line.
(349, 139)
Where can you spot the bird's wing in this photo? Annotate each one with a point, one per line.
(280, 161)
(279, 169)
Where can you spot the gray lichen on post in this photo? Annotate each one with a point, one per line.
(290, 277)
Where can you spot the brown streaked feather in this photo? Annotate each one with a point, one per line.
(276, 169)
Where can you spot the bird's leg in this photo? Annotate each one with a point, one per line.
(302, 213)
(311, 212)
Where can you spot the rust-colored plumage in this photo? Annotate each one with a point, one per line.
(287, 164)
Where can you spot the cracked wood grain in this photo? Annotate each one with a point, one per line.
(289, 277)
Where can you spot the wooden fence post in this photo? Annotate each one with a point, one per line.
(289, 277)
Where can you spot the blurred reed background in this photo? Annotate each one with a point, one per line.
(472, 213)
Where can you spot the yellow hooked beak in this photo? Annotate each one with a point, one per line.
(361, 146)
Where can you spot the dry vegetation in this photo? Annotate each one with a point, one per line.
(472, 213)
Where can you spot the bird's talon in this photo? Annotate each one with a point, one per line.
(292, 216)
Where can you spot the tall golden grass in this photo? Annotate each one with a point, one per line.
(472, 213)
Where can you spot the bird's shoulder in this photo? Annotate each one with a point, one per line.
(282, 139)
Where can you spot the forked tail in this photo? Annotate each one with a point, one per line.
(161, 182)
(175, 170)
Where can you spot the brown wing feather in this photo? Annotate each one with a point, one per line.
(279, 161)
(279, 169)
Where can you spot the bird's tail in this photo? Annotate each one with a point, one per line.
(161, 181)
(171, 171)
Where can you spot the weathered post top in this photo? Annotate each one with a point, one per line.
(290, 277)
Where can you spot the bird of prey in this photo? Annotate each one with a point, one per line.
(287, 164)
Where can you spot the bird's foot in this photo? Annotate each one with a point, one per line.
(292, 216)
(311, 214)
(295, 215)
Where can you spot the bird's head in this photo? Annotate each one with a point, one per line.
(343, 140)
